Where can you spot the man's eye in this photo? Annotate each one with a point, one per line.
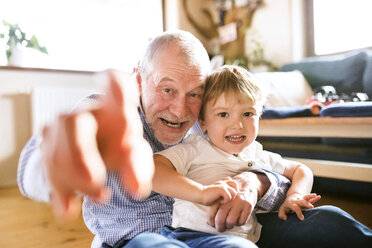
(248, 114)
(167, 90)
(194, 95)
(223, 114)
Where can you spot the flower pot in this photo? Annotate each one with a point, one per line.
(16, 58)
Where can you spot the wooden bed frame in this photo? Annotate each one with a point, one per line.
(340, 127)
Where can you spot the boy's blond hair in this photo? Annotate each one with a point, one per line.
(233, 80)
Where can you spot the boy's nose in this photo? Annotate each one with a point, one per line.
(237, 123)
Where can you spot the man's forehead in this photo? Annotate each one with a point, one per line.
(174, 76)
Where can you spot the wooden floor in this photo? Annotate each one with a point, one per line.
(25, 223)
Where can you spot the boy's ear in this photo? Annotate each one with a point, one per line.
(202, 125)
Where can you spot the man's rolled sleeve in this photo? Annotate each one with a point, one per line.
(31, 177)
(276, 193)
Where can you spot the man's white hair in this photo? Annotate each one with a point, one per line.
(191, 49)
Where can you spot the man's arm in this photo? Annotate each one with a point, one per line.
(77, 147)
(267, 190)
(275, 194)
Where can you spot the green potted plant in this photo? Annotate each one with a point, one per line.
(16, 38)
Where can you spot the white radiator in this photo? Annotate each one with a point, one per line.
(47, 103)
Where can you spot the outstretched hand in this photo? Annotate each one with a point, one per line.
(78, 147)
(295, 203)
(120, 135)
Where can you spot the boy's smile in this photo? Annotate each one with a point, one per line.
(236, 139)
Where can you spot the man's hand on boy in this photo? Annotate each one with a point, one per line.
(236, 212)
(296, 203)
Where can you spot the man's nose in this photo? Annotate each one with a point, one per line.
(179, 107)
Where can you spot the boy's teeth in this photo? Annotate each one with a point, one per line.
(235, 138)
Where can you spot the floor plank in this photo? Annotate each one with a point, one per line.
(25, 223)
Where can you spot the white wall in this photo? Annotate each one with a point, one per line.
(15, 109)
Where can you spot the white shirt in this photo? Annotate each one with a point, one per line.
(199, 160)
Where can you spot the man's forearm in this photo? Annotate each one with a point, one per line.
(256, 181)
(270, 187)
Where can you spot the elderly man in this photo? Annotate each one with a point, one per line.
(105, 154)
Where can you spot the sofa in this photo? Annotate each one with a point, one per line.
(339, 137)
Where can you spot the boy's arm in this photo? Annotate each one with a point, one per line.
(301, 177)
(298, 195)
(168, 181)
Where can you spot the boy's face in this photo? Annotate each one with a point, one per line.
(231, 124)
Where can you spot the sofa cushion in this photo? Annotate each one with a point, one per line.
(285, 88)
(344, 72)
(348, 109)
(367, 77)
(287, 112)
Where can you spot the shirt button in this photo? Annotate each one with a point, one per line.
(250, 164)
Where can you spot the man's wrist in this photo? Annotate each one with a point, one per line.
(264, 183)
(255, 181)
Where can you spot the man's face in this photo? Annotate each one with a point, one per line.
(172, 96)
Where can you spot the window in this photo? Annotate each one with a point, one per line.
(86, 34)
(338, 25)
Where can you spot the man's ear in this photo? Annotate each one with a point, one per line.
(202, 125)
(139, 81)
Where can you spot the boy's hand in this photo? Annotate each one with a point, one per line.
(297, 202)
(224, 190)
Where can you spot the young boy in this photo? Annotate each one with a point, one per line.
(199, 170)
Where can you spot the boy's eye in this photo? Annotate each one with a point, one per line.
(248, 114)
(223, 114)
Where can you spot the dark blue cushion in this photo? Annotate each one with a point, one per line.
(344, 72)
(348, 109)
(287, 112)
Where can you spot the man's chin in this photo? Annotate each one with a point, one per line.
(167, 135)
(169, 138)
